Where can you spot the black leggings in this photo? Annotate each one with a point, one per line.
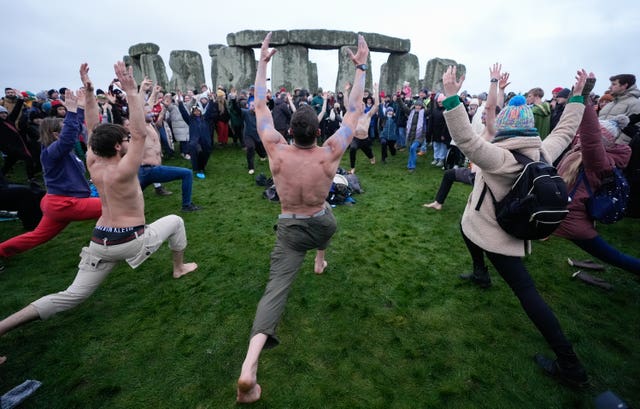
(364, 144)
(463, 175)
(513, 271)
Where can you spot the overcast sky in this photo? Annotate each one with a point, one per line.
(541, 43)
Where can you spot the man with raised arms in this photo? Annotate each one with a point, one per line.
(303, 173)
(120, 234)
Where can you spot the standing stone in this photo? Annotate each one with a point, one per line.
(290, 68)
(153, 67)
(401, 67)
(235, 67)
(313, 77)
(137, 50)
(213, 53)
(346, 70)
(135, 63)
(435, 68)
(188, 71)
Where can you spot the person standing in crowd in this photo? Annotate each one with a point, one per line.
(200, 143)
(361, 139)
(497, 169)
(303, 173)
(416, 132)
(68, 193)
(626, 101)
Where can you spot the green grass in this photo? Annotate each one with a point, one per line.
(389, 325)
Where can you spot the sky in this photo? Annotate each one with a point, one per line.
(540, 43)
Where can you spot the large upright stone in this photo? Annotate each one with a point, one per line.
(385, 44)
(153, 67)
(290, 67)
(346, 70)
(137, 50)
(235, 67)
(253, 38)
(188, 71)
(313, 77)
(323, 39)
(213, 53)
(401, 67)
(135, 63)
(435, 68)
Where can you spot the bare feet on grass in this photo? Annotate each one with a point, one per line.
(2, 359)
(433, 205)
(248, 391)
(184, 269)
(319, 266)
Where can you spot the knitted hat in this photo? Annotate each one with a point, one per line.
(556, 89)
(516, 119)
(3, 110)
(610, 128)
(42, 95)
(564, 93)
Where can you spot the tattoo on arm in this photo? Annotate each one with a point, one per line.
(261, 92)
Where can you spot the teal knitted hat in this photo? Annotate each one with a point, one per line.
(516, 119)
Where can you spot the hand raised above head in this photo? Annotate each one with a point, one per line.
(71, 100)
(503, 81)
(125, 77)
(581, 79)
(360, 57)
(449, 82)
(494, 71)
(265, 53)
(84, 77)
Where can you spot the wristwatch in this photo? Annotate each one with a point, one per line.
(362, 67)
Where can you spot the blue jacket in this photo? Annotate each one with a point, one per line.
(199, 126)
(64, 172)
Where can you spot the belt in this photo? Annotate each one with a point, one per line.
(302, 216)
(112, 242)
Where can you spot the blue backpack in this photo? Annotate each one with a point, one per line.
(608, 204)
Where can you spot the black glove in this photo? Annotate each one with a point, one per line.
(588, 87)
(634, 119)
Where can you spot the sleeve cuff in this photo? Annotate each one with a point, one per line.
(451, 102)
(577, 98)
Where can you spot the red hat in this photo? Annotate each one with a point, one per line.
(556, 89)
(56, 103)
(382, 94)
(283, 89)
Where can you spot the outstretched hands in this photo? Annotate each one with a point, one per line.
(125, 76)
(449, 82)
(581, 79)
(360, 57)
(84, 77)
(265, 53)
(71, 100)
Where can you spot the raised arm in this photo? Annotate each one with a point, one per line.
(324, 106)
(92, 115)
(339, 141)
(137, 124)
(264, 120)
(492, 101)
(376, 101)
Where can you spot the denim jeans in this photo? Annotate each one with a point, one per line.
(440, 151)
(413, 153)
(152, 174)
(402, 137)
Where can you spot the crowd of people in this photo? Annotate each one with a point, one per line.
(122, 135)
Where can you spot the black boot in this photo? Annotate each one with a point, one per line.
(479, 276)
(567, 370)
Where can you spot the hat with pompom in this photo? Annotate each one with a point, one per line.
(610, 128)
(516, 119)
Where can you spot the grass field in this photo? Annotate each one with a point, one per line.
(389, 325)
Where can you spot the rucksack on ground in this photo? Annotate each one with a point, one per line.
(535, 205)
(609, 203)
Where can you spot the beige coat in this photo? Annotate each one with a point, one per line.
(498, 169)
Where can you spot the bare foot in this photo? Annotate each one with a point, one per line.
(248, 391)
(184, 269)
(2, 359)
(352, 171)
(319, 267)
(434, 205)
(372, 161)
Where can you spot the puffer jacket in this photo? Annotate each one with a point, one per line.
(179, 127)
(625, 104)
(498, 168)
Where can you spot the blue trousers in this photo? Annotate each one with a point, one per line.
(413, 154)
(159, 174)
(599, 248)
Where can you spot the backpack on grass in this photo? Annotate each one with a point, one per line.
(535, 205)
(609, 203)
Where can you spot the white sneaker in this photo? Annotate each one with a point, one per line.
(251, 171)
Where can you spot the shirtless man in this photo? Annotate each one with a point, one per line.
(361, 139)
(120, 233)
(303, 173)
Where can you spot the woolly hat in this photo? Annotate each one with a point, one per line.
(42, 95)
(56, 103)
(610, 128)
(556, 89)
(516, 119)
(3, 110)
(564, 93)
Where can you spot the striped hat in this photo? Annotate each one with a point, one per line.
(516, 119)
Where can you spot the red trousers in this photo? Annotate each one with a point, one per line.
(57, 213)
(222, 128)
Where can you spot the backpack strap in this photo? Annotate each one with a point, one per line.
(581, 178)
